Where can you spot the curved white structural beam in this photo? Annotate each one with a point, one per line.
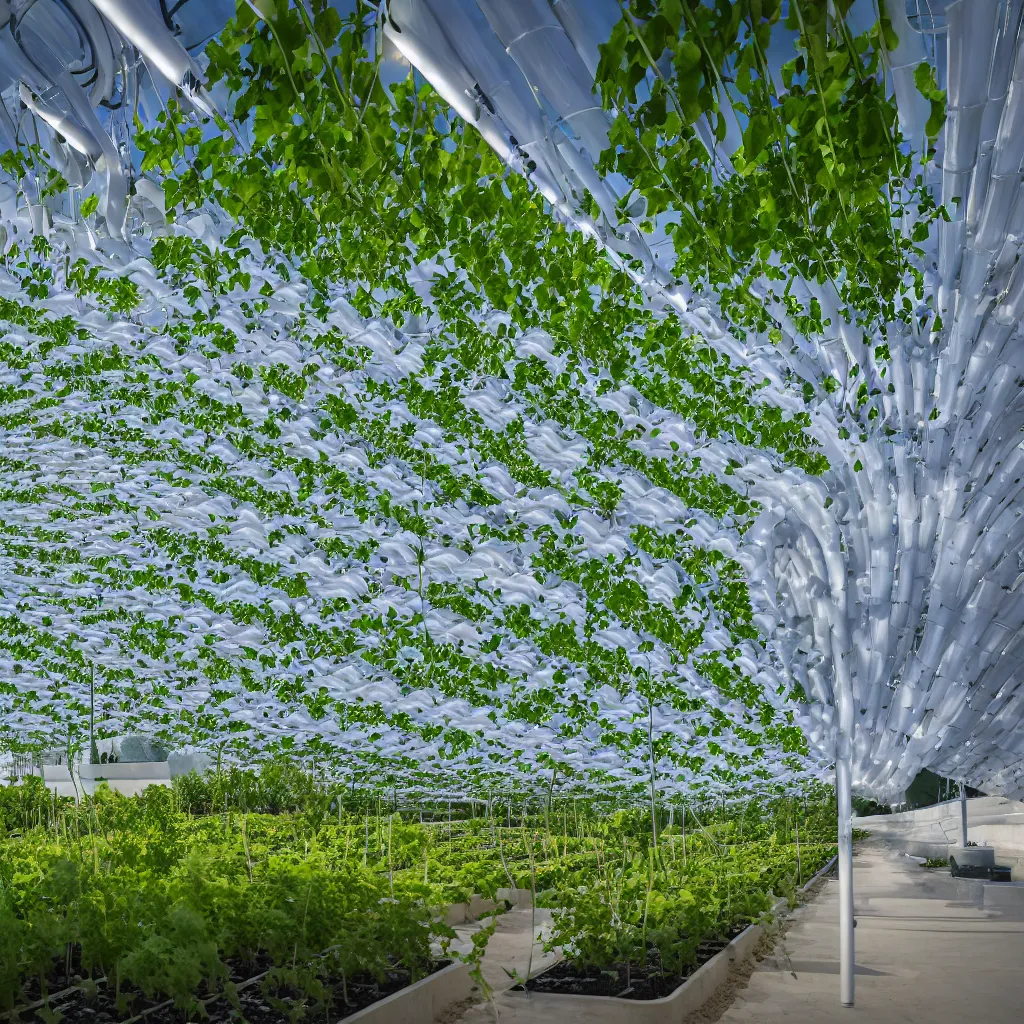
(80, 67)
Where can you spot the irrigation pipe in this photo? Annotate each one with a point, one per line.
(69, 991)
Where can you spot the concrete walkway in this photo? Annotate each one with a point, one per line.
(508, 957)
(927, 951)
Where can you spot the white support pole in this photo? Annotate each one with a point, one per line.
(844, 798)
(846, 939)
(963, 812)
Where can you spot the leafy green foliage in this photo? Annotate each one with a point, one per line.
(518, 373)
(166, 904)
(707, 878)
(924, 79)
(819, 177)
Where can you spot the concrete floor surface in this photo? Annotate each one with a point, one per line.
(508, 953)
(927, 953)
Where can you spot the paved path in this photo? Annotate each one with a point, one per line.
(508, 955)
(927, 953)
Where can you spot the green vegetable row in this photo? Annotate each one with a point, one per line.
(152, 900)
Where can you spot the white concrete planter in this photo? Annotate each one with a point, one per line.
(670, 1009)
(973, 856)
(818, 874)
(521, 899)
(422, 1002)
(466, 913)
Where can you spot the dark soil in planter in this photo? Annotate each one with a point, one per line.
(623, 981)
(66, 989)
(66, 971)
(257, 1008)
(261, 1002)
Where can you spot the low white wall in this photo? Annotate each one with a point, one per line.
(129, 778)
(58, 779)
(977, 808)
(926, 832)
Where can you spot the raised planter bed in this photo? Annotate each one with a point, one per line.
(668, 1009)
(393, 1002)
(466, 913)
(420, 1003)
(819, 874)
(972, 856)
(696, 990)
(521, 899)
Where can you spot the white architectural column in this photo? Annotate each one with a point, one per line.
(846, 938)
(963, 814)
(844, 798)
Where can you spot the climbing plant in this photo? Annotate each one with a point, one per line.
(447, 481)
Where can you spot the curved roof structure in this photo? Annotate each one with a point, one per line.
(898, 570)
(887, 585)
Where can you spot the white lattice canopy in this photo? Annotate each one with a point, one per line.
(256, 528)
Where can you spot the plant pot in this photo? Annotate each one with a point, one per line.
(973, 856)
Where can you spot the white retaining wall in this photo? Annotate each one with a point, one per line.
(929, 831)
(129, 778)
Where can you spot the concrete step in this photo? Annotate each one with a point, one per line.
(1001, 895)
